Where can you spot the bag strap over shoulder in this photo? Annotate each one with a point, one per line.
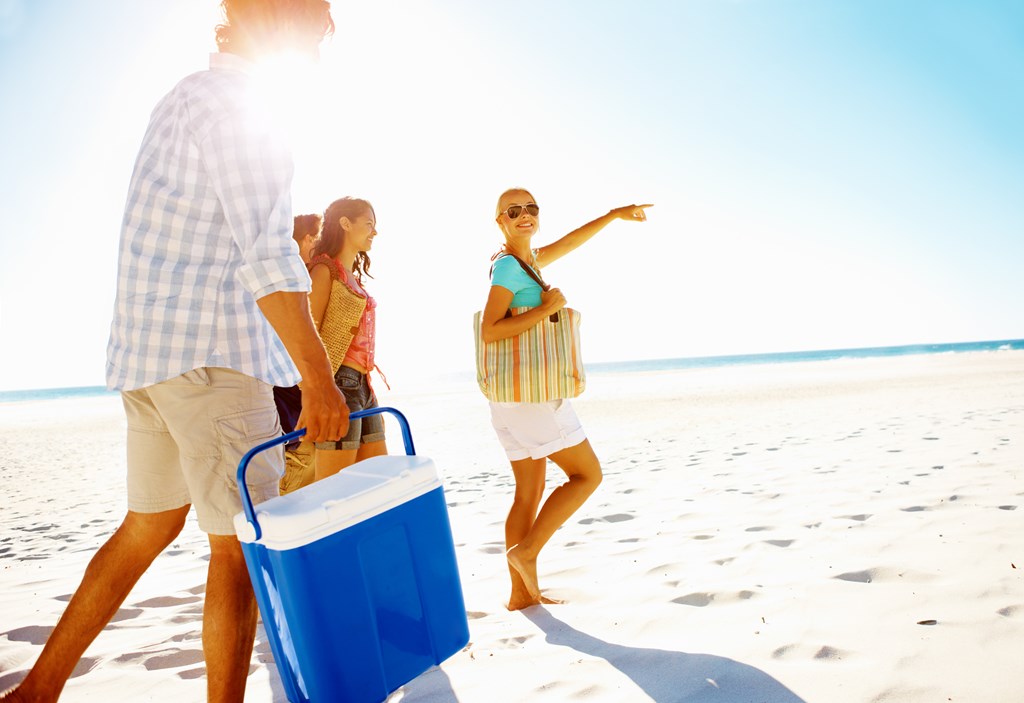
(532, 274)
(331, 265)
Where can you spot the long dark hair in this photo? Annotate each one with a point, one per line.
(332, 236)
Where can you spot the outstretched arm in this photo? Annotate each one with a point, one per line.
(557, 249)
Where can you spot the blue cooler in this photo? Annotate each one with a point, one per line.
(355, 576)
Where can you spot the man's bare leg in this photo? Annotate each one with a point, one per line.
(583, 469)
(229, 621)
(112, 573)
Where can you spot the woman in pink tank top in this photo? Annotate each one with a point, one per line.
(340, 258)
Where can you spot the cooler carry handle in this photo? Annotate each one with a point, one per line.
(243, 490)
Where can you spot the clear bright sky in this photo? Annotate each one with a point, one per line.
(826, 173)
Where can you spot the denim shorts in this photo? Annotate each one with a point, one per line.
(358, 396)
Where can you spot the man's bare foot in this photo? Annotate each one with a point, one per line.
(526, 568)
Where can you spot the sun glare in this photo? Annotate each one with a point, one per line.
(282, 80)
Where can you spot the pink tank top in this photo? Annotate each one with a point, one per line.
(361, 350)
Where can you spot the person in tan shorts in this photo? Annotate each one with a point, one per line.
(299, 455)
(211, 311)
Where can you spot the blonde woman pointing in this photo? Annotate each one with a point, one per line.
(532, 433)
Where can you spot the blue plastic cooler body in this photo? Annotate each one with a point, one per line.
(356, 614)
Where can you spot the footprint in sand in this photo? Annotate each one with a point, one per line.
(780, 542)
(126, 614)
(38, 528)
(186, 617)
(859, 518)
(1007, 507)
(514, 642)
(866, 576)
(168, 601)
(84, 666)
(617, 517)
(802, 651)
(167, 659)
(697, 600)
(759, 528)
(702, 600)
(33, 634)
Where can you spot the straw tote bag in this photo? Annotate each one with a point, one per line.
(341, 319)
(541, 364)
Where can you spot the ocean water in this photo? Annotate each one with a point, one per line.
(695, 362)
(698, 362)
(54, 394)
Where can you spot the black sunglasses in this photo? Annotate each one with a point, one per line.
(514, 211)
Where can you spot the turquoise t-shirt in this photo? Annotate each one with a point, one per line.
(508, 274)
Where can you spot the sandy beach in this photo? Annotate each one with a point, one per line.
(822, 532)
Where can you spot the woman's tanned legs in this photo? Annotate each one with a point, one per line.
(583, 469)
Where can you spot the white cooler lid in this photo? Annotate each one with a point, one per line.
(360, 492)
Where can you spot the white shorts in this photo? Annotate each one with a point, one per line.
(536, 430)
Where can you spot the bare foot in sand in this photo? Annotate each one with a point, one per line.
(526, 568)
(519, 601)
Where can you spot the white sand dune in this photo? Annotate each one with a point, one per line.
(827, 532)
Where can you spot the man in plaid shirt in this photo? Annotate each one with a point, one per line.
(211, 312)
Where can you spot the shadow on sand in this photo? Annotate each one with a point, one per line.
(667, 676)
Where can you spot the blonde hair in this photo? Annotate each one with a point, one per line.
(497, 208)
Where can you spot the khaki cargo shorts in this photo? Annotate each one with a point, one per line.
(186, 436)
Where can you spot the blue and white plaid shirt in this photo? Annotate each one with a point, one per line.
(206, 232)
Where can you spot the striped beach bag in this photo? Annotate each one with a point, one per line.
(541, 364)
